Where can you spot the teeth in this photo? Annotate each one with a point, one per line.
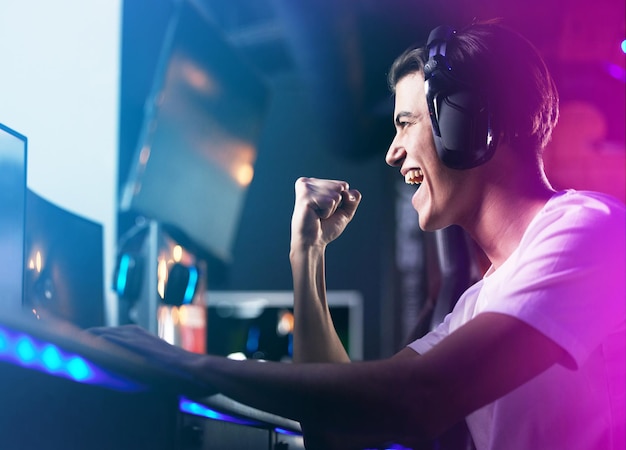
(414, 176)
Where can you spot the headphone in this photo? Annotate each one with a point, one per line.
(460, 115)
(130, 272)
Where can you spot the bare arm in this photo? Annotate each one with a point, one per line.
(322, 210)
(399, 399)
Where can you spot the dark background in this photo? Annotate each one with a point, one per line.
(330, 115)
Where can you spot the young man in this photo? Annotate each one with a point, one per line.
(533, 355)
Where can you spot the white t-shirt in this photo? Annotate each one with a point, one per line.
(566, 279)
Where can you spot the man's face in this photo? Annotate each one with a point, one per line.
(413, 151)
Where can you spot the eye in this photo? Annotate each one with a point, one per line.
(401, 124)
(404, 120)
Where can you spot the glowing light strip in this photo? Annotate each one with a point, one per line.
(287, 432)
(392, 447)
(190, 407)
(191, 285)
(197, 409)
(122, 274)
(23, 350)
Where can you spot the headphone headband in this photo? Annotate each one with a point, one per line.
(440, 35)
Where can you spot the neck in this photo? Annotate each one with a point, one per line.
(509, 203)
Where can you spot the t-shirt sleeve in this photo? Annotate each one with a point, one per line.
(568, 280)
(462, 309)
(428, 341)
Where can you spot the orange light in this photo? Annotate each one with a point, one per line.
(285, 324)
(177, 253)
(244, 174)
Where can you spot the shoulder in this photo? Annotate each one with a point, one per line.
(577, 216)
(585, 204)
(575, 247)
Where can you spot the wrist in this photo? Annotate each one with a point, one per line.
(299, 250)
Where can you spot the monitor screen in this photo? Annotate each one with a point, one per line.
(197, 147)
(258, 325)
(64, 274)
(12, 212)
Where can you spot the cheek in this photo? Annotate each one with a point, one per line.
(441, 183)
(419, 141)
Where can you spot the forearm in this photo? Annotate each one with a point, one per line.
(315, 338)
(335, 398)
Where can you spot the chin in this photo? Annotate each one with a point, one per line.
(429, 223)
(426, 225)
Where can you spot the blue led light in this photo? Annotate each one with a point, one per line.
(191, 285)
(252, 342)
(51, 358)
(78, 369)
(391, 447)
(287, 432)
(290, 345)
(122, 274)
(190, 407)
(23, 350)
(624, 45)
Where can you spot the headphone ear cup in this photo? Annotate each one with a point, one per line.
(181, 285)
(460, 115)
(464, 126)
(128, 276)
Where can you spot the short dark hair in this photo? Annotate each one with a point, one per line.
(506, 67)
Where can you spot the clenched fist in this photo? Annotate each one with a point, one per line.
(322, 210)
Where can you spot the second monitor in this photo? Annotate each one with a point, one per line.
(254, 324)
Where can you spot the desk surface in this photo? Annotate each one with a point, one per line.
(24, 341)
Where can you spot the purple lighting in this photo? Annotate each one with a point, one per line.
(616, 71)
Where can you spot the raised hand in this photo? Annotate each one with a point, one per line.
(323, 209)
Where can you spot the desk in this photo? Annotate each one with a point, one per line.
(61, 388)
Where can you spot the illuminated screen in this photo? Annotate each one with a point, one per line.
(12, 213)
(197, 148)
(258, 325)
(63, 265)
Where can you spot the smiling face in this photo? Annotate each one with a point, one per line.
(439, 199)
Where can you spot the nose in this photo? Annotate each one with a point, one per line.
(396, 154)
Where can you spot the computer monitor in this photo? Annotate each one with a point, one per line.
(197, 147)
(257, 324)
(64, 274)
(13, 147)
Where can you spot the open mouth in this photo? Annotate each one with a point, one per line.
(414, 176)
